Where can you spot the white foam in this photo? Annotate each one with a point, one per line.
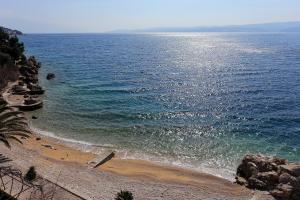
(125, 154)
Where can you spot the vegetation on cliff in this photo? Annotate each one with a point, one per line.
(11, 31)
(11, 55)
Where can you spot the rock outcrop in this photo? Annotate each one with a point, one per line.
(11, 32)
(276, 175)
(29, 81)
(22, 71)
(50, 76)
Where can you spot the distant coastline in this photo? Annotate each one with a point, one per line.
(265, 27)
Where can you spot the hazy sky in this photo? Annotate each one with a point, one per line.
(105, 15)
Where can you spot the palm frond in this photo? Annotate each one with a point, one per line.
(10, 114)
(4, 159)
(12, 125)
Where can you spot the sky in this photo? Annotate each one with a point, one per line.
(92, 16)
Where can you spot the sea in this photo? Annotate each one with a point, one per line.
(195, 100)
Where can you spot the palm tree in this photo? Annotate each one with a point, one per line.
(12, 125)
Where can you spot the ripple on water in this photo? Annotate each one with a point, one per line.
(198, 100)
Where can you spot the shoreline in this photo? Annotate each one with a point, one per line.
(105, 149)
(126, 167)
(49, 151)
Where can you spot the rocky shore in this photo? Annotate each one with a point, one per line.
(18, 74)
(26, 93)
(278, 176)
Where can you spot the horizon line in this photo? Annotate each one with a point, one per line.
(140, 30)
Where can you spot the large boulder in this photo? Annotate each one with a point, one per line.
(286, 178)
(270, 178)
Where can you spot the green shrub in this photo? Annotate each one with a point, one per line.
(11, 45)
(30, 175)
(124, 195)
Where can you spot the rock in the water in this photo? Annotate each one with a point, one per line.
(34, 117)
(50, 76)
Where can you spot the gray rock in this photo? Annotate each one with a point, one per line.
(270, 178)
(296, 183)
(286, 178)
(293, 169)
(283, 191)
(254, 183)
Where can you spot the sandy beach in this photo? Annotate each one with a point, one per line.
(69, 167)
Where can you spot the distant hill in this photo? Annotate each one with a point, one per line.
(11, 32)
(267, 27)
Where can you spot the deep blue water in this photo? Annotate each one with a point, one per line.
(200, 100)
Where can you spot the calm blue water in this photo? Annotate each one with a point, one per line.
(200, 100)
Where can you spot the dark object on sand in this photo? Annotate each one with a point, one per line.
(34, 117)
(30, 175)
(124, 195)
(109, 157)
(50, 76)
(48, 146)
(38, 138)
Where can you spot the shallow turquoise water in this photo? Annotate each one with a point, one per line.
(200, 100)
